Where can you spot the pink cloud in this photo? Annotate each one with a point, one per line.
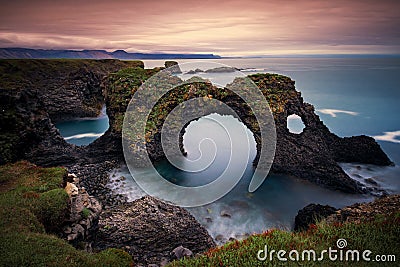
(227, 27)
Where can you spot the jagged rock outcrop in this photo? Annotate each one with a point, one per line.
(382, 207)
(49, 90)
(83, 214)
(150, 229)
(311, 155)
(174, 66)
(311, 214)
(67, 88)
(314, 153)
(34, 94)
(26, 131)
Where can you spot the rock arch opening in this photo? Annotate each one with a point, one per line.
(295, 124)
(210, 140)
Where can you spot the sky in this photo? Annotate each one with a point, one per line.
(225, 27)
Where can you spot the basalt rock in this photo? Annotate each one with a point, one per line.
(381, 207)
(27, 132)
(149, 230)
(83, 215)
(36, 93)
(311, 214)
(311, 155)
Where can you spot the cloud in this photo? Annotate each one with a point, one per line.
(334, 112)
(229, 26)
(389, 137)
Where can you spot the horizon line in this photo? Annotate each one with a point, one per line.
(294, 55)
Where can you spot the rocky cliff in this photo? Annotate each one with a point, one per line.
(36, 93)
(311, 155)
(314, 153)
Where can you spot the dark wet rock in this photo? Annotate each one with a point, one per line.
(219, 238)
(361, 149)
(225, 214)
(311, 214)
(95, 179)
(26, 131)
(151, 229)
(48, 91)
(221, 70)
(371, 181)
(181, 252)
(173, 67)
(194, 71)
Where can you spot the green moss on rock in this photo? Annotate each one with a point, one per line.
(51, 208)
(32, 203)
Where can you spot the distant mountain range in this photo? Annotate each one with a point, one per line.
(94, 54)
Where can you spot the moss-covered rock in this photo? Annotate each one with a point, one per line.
(32, 204)
(51, 209)
(311, 155)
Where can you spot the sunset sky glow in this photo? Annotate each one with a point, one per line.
(227, 28)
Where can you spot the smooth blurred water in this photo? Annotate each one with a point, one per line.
(352, 97)
(83, 131)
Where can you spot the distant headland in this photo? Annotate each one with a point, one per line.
(11, 53)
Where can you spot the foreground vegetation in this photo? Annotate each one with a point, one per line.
(32, 209)
(33, 206)
(381, 236)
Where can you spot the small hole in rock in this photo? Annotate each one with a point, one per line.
(295, 124)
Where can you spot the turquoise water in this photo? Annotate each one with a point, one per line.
(352, 97)
(83, 131)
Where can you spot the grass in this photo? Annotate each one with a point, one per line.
(380, 236)
(85, 213)
(32, 207)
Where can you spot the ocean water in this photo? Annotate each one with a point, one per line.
(353, 96)
(83, 131)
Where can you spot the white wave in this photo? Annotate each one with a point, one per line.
(79, 136)
(388, 136)
(334, 112)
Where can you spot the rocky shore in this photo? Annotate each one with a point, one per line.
(34, 94)
(357, 213)
(95, 179)
(54, 89)
(150, 230)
